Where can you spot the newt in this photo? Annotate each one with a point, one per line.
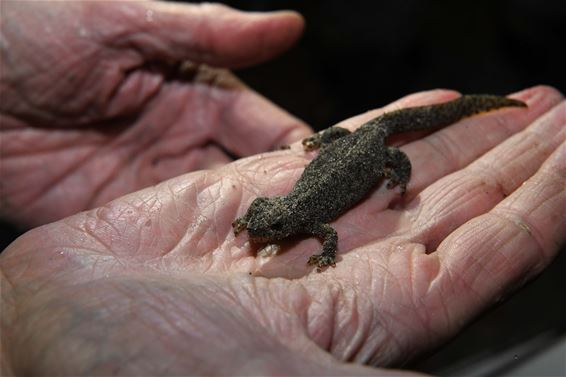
(349, 165)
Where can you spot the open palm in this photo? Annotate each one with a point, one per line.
(100, 99)
(156, 283)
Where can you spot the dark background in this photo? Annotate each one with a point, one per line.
(360, 55)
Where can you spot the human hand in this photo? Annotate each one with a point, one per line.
(96, 103)
(156, 283)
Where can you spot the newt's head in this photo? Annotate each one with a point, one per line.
(266, 220)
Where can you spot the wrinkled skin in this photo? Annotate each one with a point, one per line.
(94, 104)
(155, 283)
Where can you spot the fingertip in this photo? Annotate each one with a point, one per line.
(255, 37)
(241, 38)
(286, 28)
(289, 18)
(214, 34)
(539, 94)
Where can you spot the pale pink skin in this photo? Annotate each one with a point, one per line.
(155, 282)
(71, 69)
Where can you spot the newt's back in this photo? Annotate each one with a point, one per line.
(346, 169)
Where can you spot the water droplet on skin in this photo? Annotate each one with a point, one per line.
(149, 15)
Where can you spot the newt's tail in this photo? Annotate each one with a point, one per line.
(444, 114)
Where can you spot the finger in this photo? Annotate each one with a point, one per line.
(251, 124)
(472, 191)
(454, 147)
(223, 112)
(206, 33)
(496, 252)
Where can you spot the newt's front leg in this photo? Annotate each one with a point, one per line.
(325, 137)
(328, 255)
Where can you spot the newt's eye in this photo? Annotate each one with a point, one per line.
(278, 225)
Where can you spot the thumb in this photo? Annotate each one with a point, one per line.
(204, 33)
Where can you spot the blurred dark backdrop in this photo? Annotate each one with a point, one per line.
(360, 55)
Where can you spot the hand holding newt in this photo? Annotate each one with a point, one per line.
(155, 281)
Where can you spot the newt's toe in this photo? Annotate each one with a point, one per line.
(322, 260)
(239, 225)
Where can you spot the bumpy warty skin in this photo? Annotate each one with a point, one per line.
(348, 166)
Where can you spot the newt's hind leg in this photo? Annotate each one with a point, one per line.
(324, 137)
(397, 169)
